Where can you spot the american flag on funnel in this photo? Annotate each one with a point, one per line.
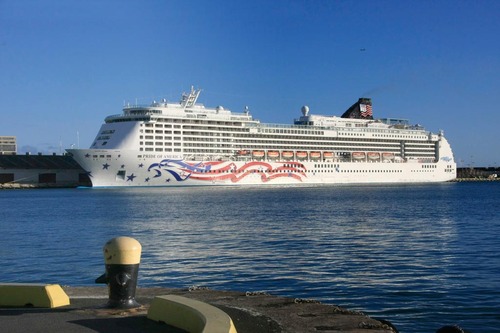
(366, 110)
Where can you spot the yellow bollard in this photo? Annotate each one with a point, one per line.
(122, 256)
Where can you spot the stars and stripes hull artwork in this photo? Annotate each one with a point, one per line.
(187, 144)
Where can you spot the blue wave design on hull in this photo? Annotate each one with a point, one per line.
(179, 167)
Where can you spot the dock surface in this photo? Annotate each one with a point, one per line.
(250, 312)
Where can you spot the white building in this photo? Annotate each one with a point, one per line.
(8, 145)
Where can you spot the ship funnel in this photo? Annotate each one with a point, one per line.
(362, 109)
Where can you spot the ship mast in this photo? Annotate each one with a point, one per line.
(188, 100)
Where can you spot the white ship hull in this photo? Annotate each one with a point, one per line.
(119, 168)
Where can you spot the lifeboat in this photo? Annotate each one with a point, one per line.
(388, 156)
(328, 154)
(287, 155)
(373, 156)
(258, 153)
(301, 155)
(273, 154)
(358, 155)
(243, 152)
(315, 155)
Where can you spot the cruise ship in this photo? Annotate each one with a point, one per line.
(187, 144)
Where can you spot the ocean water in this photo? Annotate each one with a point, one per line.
(420, 256)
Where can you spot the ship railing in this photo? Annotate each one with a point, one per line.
(288, 126)
(135, 106)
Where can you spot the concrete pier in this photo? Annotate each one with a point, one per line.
(250, 312)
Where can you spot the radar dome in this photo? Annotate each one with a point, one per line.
(305, 110)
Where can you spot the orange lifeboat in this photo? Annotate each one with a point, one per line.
(301, 155)
(287, 155)
(328, 154)
(258, 153)
(273, 154)
(315, 155)
(388, 156)
(373, 156)
(358, 155)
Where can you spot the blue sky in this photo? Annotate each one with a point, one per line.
(66, 65)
